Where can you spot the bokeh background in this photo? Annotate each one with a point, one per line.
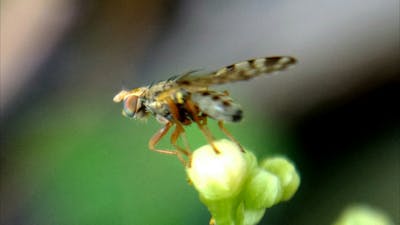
(69, 157)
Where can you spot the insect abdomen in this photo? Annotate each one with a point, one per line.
(218, 106)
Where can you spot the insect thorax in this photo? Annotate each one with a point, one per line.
(159, 102)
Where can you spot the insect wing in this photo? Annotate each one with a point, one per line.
(239, 71)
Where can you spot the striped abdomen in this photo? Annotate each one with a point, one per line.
(218, 106)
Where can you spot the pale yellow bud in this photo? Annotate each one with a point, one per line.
(218, 176)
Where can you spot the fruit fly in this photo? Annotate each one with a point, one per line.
(186, 99)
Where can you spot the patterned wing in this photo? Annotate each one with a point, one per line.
(239, 71)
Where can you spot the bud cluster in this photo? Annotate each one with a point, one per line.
(235, 188)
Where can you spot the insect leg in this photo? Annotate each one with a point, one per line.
(179, 131)
(179, 128)
(157, 137)
(174, 138)
(229, 135)
(201, 121)
(207, 133)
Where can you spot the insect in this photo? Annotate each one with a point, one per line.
(186, 99)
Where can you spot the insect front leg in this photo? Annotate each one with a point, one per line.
(229, 135)
(157, 137)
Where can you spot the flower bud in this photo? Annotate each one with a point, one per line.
(360, 214)
(263, 190)
(218, 175)
(286, 173)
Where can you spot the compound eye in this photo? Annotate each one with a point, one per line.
(130, 106)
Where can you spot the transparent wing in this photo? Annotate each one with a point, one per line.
(239, 71)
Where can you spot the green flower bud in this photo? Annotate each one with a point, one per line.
(286, 173)
(253, 216)
(363, 215)
(263, 190)
(234, 188)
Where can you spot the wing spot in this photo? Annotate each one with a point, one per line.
(206, 93)
(243, 74)
(252, 63)
(226, 103)
(185, 82)
(215, 97)
(271, 61)
(230, 67)
(237, 116)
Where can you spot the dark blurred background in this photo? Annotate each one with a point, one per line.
(69, 157)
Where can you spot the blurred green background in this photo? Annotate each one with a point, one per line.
(69, 157)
